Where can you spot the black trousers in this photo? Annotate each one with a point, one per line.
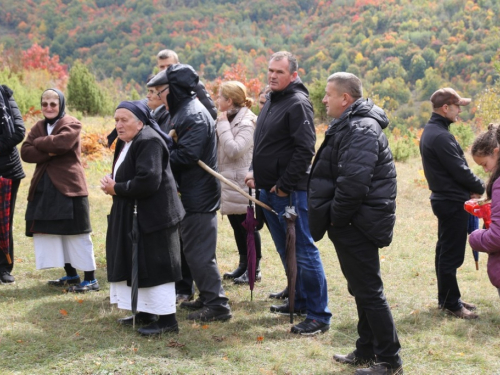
(360, 264)
(240, 235)
(450, 250)
(186, 284)
(4, 264)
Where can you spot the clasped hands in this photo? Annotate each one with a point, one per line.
(108, 185)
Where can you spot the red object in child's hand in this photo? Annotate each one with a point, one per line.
(481, 210)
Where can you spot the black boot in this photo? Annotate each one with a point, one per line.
(240, 270)
(243, 279)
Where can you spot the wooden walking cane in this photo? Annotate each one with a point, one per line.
(220, 177)
(234, 186)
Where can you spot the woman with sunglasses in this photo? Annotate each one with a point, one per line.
(57, 216)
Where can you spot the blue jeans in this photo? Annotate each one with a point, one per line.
(311, 291)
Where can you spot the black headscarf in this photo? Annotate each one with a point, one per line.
(142, 112)
(62, 106)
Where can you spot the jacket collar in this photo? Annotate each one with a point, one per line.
(439, 120)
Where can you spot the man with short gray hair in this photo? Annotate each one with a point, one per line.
(352, 197)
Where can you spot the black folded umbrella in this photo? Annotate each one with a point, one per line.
(135, 263)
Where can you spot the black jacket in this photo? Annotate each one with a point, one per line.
(445, 167)
(162, 117)
(196, 140)
(145, 176)
(205, 99)
(10, 163)
(284, 140)
(353, 178)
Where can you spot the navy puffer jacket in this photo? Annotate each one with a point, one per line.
(353, 178)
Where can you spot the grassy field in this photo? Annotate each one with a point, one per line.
(46, 331)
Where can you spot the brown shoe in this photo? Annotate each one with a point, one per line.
(469, 306)
(462, 313)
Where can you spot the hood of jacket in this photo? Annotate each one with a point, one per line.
(182, 80)
(362, 108)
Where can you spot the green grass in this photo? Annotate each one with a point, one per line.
(35, 338)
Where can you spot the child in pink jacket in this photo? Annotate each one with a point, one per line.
(485, 153)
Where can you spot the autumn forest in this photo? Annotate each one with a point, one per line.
(402, 50)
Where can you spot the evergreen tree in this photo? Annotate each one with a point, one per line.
(84, 94)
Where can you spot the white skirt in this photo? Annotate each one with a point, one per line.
(158, 299)
(54, 250)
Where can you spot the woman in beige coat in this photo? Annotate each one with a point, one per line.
(235, 128)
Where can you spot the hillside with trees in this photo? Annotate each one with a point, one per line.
(402, 49)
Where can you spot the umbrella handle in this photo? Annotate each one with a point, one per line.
(250, 193)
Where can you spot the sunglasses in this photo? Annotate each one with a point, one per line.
(162, 91)
(52, 104)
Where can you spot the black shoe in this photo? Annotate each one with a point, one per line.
(243, 279)
(140, 318)
(380, 368)
(352, 359)
(6, 277)
(65, 281)
(183, 297)
(240, 270)
(310, 327)
(85, 286)
(280, 295)
(155, 329)
(209, 314)
(285, 310)
(192, 305)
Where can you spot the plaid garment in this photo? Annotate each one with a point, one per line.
(5, 195)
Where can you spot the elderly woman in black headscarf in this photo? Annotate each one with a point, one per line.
(57, 216)
(142, 176)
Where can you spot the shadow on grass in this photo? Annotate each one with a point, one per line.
(20, 292)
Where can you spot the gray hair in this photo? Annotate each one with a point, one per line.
(348, 83)
(166, 53)
(293, 65)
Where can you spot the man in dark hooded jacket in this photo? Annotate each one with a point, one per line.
(352, 196)
(284, 143)
(200, 191)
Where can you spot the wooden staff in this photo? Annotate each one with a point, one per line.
(234, 186)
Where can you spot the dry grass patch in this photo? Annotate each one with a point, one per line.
(46, 331)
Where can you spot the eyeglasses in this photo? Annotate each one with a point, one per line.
(52, 104)
(161, 92)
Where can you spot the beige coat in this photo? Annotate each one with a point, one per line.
(234, 155)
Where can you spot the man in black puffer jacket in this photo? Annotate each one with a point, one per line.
(352, 196)
(200, 191)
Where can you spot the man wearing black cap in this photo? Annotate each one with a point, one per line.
(451, 183)
(200, 191)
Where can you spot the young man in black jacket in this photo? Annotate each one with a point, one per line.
(452, 183)
(352, 196)
(284, 144)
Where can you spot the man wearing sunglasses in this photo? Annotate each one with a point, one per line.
(451, 183)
